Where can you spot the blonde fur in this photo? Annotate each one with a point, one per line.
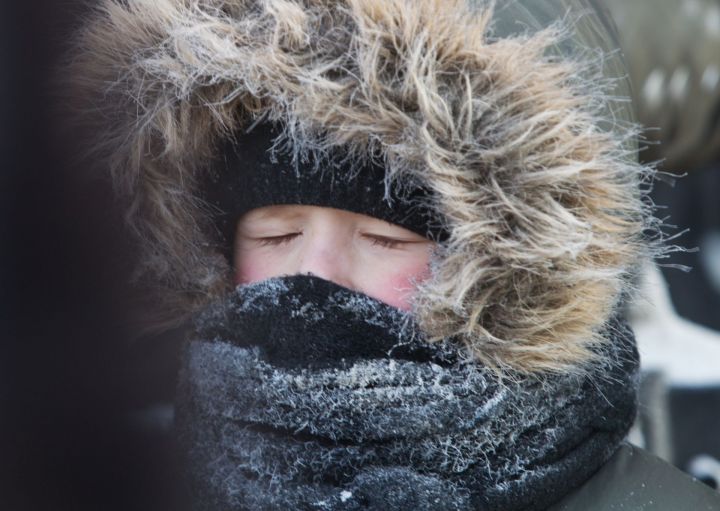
(542, 205)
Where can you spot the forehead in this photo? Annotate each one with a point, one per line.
(296, 211)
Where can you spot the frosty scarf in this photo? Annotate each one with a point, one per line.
(302, 395)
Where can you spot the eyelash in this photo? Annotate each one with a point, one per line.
(384, 242)
(378, 241)
(278, 240)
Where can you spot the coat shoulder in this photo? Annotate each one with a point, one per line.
(635, 479)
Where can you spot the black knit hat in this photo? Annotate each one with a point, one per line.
(252, 173)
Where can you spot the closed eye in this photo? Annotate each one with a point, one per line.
(384, 242)
(272, 241)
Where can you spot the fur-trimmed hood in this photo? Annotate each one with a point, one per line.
(530, 174)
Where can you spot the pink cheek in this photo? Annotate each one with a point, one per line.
(401, 286)
(248, 272)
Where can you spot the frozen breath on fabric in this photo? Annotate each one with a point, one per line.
(300, 394)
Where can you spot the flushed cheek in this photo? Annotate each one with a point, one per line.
(251, 268)
(399, 288)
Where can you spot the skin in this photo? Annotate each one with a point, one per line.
(359, 252)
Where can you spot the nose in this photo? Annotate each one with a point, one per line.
(328, 258)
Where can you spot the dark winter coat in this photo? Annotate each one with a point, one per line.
(634, 479)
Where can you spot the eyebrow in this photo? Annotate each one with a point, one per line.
(282, 213)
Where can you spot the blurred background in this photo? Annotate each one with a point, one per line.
(672, 51)
(85, 399)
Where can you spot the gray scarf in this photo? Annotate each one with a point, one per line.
(298, 394)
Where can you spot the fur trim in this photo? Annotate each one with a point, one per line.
(542, 205)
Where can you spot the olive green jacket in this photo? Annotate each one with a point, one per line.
(635, 480)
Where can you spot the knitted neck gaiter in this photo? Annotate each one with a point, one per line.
(298, 394)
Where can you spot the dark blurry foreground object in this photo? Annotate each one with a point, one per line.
(68, 372)
(673, 52)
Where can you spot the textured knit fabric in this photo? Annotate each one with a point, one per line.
(253, 173)
(300, 394)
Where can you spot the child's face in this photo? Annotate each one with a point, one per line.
(377, 258)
